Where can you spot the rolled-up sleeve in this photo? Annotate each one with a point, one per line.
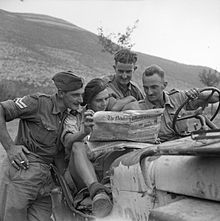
(71, 125)
(20, 107)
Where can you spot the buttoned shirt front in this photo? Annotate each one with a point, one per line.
(40, 120)
(172, 102)
(120, 92)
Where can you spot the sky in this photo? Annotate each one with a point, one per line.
(186, 31)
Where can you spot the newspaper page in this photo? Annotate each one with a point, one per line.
(130, 125)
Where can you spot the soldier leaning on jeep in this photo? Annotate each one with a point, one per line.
(27, 182)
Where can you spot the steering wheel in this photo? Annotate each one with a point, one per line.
(204, 120)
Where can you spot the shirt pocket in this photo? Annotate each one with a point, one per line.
(46, 134)
(33, 176)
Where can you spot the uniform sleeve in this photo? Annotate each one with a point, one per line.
(70, 125)
(111, 103)
(182, 96)
(23, 108)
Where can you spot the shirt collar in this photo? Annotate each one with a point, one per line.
(56, 109)
(122, 88)
(77, 112)
(167, 101)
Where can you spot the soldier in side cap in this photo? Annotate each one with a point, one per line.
(96, 98)
(26, 183)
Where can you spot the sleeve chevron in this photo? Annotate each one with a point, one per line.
(19, 102)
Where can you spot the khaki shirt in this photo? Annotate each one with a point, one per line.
(72, 124)
(40, 120)
(172, 102)
(119, 93)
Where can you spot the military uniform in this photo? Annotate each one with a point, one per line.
(71, 124)
(173, 100)
(102, 162)
(119, 92)
(25, 194)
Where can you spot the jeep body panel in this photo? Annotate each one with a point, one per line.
(160, 175)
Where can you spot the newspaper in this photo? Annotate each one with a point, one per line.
(130, 125)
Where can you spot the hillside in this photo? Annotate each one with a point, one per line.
(37, 46)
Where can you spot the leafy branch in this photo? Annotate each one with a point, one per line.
(209, 78)
(114, 42)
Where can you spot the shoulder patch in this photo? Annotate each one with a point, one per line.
(20, 103)
(173, 91)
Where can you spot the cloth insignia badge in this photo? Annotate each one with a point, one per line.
(20, 103)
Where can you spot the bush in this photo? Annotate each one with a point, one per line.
(10, 89)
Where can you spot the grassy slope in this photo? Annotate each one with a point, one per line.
(38, 46)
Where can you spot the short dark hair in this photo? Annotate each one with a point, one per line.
(154, 69)
(125, 56)
(92, 88)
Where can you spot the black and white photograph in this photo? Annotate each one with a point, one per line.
(109, 110)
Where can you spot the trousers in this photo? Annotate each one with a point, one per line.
(25, 194)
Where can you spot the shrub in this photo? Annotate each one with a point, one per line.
(9, 89)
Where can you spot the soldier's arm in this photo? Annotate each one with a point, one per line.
(132, 106)
(121, 103)
(70, 138)
(205, 94)
(72, 133)
(5, 138)
(201, 97)
(24, 107)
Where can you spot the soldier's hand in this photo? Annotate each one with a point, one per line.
(17, 156)
(88, 121)
(130, 98)
(192, 93)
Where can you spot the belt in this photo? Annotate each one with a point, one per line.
(34, 158)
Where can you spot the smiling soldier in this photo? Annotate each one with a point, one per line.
(26, 183)
(120, 84)
(154, 84)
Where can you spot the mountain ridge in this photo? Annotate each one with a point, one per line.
(37, 46)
